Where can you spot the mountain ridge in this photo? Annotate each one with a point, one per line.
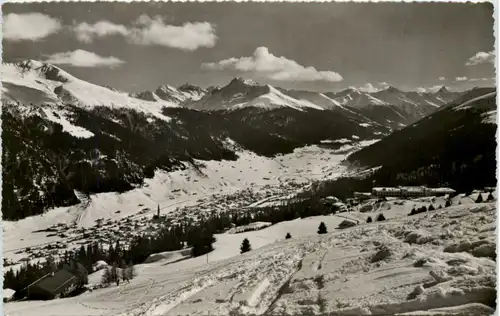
(82, 137)
(451, 147)
(239, 92)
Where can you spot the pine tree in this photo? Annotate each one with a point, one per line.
(118, 252)
(81, 272)
(322, 228)
(479, 198)
(380, 217)
(448, 203)
(107, 276)
(245, 246)
(490, 197)
(369, 219)
(50, 264)
(202, 242)
(131, 273)
(127, 272)
(288, 236)
(114, 275)
(431, 207)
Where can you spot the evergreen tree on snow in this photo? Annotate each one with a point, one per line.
(479, 198)
(110, 275)
(245, 246)
(128, 272)
(322, 228)
(202, 243)
(288, 236)
(369, 219)
(490, 197)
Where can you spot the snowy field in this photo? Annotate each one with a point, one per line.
(248, 180)
(439, 260)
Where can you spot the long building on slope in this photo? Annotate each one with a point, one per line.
(410, 191)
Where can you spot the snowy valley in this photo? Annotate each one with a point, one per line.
(158, 173)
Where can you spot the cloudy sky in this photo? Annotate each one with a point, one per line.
(322, 46)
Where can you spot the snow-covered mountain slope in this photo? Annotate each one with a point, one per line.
(363, 107)
(393, 107)
(63, 148)
(427, 264)
(317, 98)
(404, 99)
(354, 98)
(454, 145)
(35, 82)
(208, 186)
(192, 92)
(93, 139)
(240, 93)
(275, 99)
(179, 95)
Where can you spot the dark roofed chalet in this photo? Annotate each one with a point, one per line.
(54, 285)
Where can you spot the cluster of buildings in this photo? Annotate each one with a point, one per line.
(410, 191)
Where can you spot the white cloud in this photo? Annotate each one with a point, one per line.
(189, 36)
(153, 31)
(384, 85)
(82, 58)
(86, 32)
(29, 26)
(461, 78)
(368, 87)
(442, 78)
(481, 58)
(263, 64)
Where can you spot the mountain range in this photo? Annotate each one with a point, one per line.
(62, 134)
(35, 82)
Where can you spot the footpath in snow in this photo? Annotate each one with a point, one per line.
(438, 262)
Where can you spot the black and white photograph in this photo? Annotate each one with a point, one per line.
(249, 158)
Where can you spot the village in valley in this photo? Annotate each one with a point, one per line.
(244, 159)
(109, 240)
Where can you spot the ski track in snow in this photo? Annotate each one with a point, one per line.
(282, 278)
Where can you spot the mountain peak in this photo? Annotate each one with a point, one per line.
(166, 87)
(30, 64)
(49, 71)
(392, 89)
(241, 80)
(443, 89)
(189, 87)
